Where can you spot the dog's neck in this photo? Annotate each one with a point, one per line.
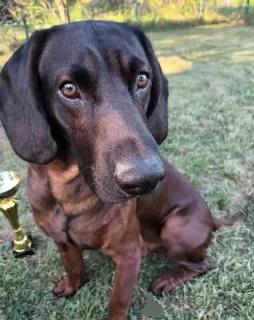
(69, 188)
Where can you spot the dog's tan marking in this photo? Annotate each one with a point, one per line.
(63, 181)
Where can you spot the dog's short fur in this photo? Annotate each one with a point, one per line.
(93, 156)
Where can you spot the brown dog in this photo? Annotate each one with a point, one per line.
(176, 219)
(85, 104)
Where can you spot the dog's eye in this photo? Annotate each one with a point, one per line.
(142, 81)
(69, 91)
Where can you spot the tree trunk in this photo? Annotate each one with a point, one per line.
(247, 7)
(23, 17)
(67, 12)
(238, 9)
(63, 11)
(136, 8)
(246, 11)
(201, 9)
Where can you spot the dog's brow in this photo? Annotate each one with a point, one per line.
(61, 73)
(136, 64)
(76, 72)
(82, 74)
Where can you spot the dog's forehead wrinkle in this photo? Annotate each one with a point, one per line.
(113, 33)
(127, 63)
(91, 45)
(86, 58)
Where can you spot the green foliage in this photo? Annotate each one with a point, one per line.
(80, 11)
(36, 12)
(249, 16)
(5, 15)
(156, 11)
(10, 38)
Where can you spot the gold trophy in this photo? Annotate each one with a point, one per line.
(9, 185)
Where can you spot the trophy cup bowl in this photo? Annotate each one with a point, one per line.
(9, 185)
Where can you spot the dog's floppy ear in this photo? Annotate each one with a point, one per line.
(158, 122)
(157, 111)
(21, 106)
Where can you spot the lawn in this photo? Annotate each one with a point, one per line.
(211, 141)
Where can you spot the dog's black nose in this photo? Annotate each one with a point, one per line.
(139, 177)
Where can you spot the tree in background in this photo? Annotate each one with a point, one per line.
(63, 10)
(201, 9)
(124, 6)
(27, 12)
(5, 15)
(20, 13)
(35, 13)
(195, 8)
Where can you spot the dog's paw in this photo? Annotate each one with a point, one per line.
(67, 287)
(162, 286)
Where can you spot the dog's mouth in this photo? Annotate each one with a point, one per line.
(115, 196)
(143, 190)
(123, 196)
(110, 191)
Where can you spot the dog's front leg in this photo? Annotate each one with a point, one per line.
(72, 260)
(126, 274)
(123, 243)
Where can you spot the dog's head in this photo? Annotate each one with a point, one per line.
(94, 90)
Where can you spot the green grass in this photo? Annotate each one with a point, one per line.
(211, 74)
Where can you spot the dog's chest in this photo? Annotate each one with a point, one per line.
(88, 219)
(70, 190)
(105, 225)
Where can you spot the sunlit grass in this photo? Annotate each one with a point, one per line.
(174, 64)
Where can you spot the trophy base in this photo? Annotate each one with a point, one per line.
(27, 251)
